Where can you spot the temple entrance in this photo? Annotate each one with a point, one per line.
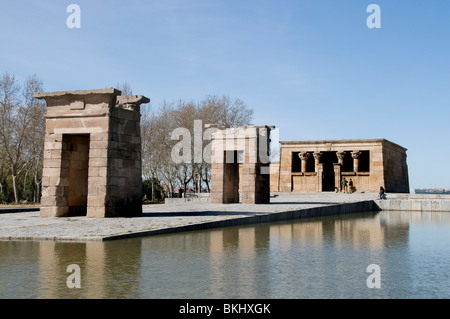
(76, 156)
(231, 178)
(328, 159)
(92, 145)
(239, 164)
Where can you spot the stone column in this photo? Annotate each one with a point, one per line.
(355, 156)
(337, 175)
(317, 157)
(319, 170)
(304, 156)
(340, 156)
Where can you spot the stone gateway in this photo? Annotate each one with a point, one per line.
(92, 154)
(240, 167)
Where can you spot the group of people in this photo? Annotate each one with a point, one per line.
(347, 187)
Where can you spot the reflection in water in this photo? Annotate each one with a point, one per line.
(98, 263)
(312, 258)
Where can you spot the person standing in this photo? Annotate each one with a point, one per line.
(382, 193)
(344, 185)
(350, 186)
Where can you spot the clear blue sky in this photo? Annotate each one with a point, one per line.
(312, 68)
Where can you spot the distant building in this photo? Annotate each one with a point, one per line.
(431, 191)
(320, 166)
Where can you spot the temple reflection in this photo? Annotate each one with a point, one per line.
(243, 261)
(97, 261)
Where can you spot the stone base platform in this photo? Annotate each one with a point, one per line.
(416, 202)
(178, 217)
(167, 218)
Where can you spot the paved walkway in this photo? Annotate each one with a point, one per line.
(158, 218)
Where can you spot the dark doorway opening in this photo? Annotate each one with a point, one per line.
(364, 161)
(310, 164)
(348, 162)
(76, 155)
(231, 177)
(296, 163)
(328, 182)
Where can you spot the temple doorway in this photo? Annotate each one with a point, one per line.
(231, 178)
(76, 156)
(328, 159)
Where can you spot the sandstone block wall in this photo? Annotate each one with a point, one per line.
(239, 170)
(274, 176)
(395, 169)
(92, 154)
(369, 163)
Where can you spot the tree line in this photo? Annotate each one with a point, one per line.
(22, 129)
(158, 140)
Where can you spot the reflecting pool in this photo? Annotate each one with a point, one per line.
(325, 257)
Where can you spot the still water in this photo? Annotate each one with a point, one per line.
(312, 258)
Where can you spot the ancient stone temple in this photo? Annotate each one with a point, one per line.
(319, 166)
(240, 165)
(92, 154)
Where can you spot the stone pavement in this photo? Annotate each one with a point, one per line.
(165, 218)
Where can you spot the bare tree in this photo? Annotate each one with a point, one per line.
(36, 132)
(10, 142)
(3, 175)
(125, 88)
(21, 126)
(224, 111)
(156, 145)
(157, 128)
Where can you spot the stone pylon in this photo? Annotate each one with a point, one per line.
(92, 154)
(240, 166)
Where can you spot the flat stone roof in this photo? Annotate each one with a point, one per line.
(342, 141)
(44, 95)
(222, 127)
